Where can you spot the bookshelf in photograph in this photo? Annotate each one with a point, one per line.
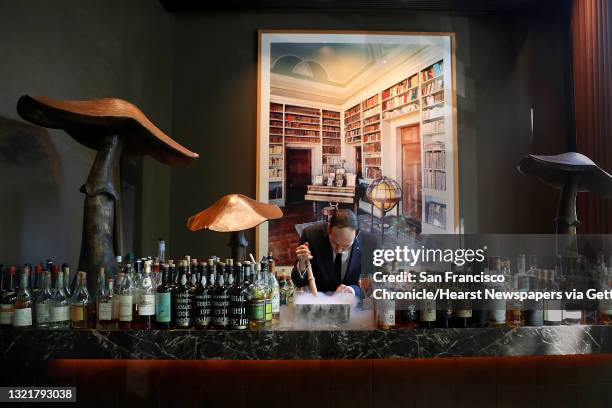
(276, 155)
(401, 98)
(302, 124)
(436, 159)
(372, 140)
(352, 124)
(331, 141)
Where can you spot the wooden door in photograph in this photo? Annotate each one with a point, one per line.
(358, 162)
(411, 172)
(299, 173)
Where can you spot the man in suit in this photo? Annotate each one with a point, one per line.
(335, 252)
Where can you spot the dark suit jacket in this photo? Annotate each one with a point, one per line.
(323, 259)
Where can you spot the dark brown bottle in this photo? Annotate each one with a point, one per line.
(182, 302)
(163, 301)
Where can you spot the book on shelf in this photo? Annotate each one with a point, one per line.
(331, 149)
(276, 149)
(300, 125)
(431, 72)
(433, 127)
(353, 133)
(275, 172)
(335, 129)
(333, 160)
(433, 86)
(413, 107)
(276, 123)
(331, 122)
(435, 179)
(298, 132)
(400, 100)
(372, 111)
(371, 119)
(371, 137)
(372, 148)
(435, 112)
(433, 99)
(371, 128)
(370, 102)
(276, 115)
(332, 135)
(372, 161)
(400, 87)
(352, 111)
(276, 161)
(330, 142)
(302, 119)
(276, 132)
(331, 114)
(353, 125)
(276, 107)
(435, 214)
(434, 146)
(275, 190)
(278, 138)
(301, 139)
(300, 110)
(435, 160)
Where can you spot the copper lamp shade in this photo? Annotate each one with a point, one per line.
(234, 213)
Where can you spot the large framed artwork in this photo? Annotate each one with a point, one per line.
(345, 118)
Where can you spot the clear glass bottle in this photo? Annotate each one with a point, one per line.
(263, 271)
(59, 312)
(104, 303)
(66, 280)
(256, 304)
(116, 292)
(22, 312)
(125, 302)
(81, 305)
(146, 302)
(7, 303)
(42, 302)
(275, 288)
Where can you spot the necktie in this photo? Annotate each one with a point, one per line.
(338, 267)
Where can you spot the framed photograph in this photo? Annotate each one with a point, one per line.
(373, 104)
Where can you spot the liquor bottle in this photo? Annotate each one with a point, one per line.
(263, 271)
(238, 297)
(146, 302)
(116, 292)
(104, 303)
(203, 308)
(182, 300)
(275, 288)
(42, 302)
(221, 304)
(81, 304)
(604, 307)
(534, 311)
(7, 303)
(66, 279)
(59, 312)
(163, 300)
(161, 251)
(427, 314)
(553, 314)
(22, 312)
(497, 307)
(125, 302)
(37, 280)
(572, 310)
(256, 302)
(248, 279)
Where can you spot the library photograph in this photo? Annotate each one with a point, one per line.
(357, 121)
(306, 203)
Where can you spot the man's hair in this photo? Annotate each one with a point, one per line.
(343, 219)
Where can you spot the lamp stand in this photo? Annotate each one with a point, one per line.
(239, 243)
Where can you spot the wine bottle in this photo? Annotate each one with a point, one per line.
(146, 302)
(81, 304)
(163, 301)
(22, 312)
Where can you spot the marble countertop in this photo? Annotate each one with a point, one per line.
(283, 344)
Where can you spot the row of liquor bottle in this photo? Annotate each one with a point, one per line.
(568, 273)
(201, 295)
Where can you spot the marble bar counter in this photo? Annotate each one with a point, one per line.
(40, 344)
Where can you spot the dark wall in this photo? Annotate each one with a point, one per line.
(77, 50)
(506, 65)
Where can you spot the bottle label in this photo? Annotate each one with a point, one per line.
(464, 313)
(257, 310)
(59, 313)
(125, 308)
(105, 311)
(162, 307)
(42, 313)
(182, 306)
(146, 307)
(115, 307)
(268, 310)
(238, 312)
(22, 317)
(221, 309)
(76, 313)
(605, 307)
(428, 311)
(552, 315)
(203, 309)
(497, 316)
(387, 317)
(572, 314)
(275, 300)
(6, 313)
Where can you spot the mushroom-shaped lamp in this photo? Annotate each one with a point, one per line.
(234, 213)
(112, 127)
(571, 173)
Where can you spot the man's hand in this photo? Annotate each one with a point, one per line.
(345, 289)
(303, 254)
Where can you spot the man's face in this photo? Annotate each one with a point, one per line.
(341, 239)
